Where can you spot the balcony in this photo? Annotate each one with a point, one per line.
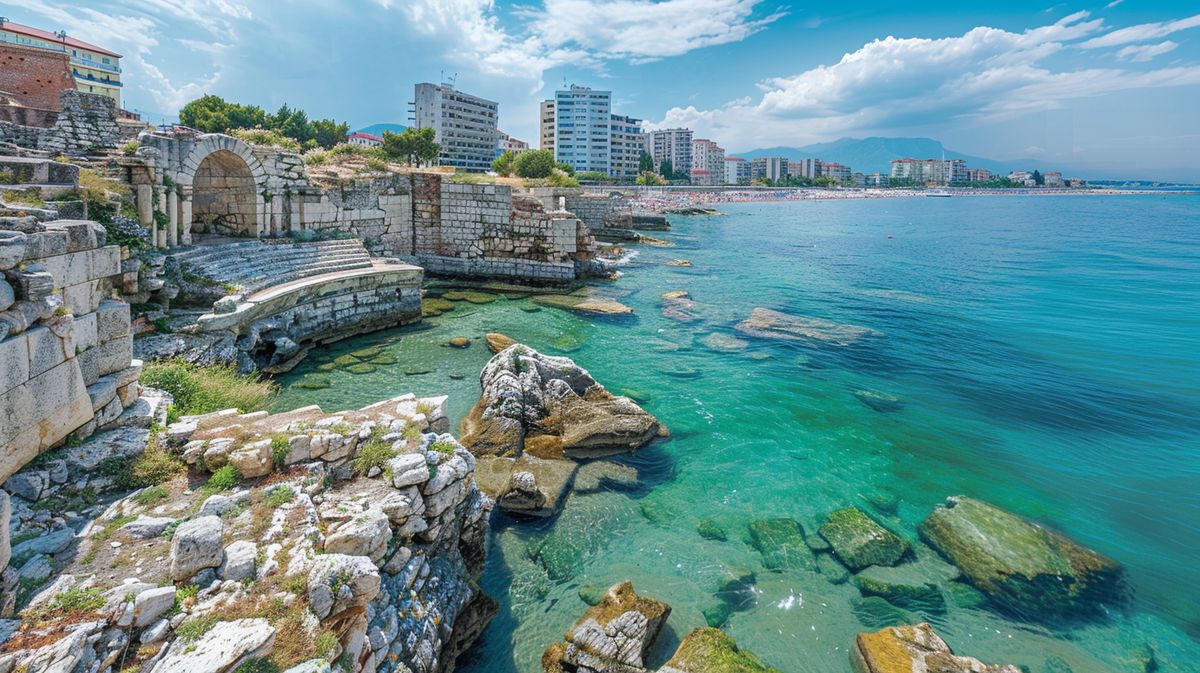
(92, 78)
(94, 64)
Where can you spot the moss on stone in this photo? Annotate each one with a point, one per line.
(781, 543)
(709, 650)
(859, 541)
(361, 368)
(709, 529)
(470, 296)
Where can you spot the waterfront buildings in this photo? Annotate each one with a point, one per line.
(875, 180)
(507, 143)
(1053, 180)
(546, 125)
(93, 69)
(838, 172)
(673, 145)
(769, 168)
(582, 128)
(708, 162)
(804, 168)
(936, 171)
(978, 175)
(364, 139)
(465, 125)
(737, 170)
(628, 141)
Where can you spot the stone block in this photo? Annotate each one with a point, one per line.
(45, 350)
(110, 413)
(102, 392)
(85, 331)
(13, 245)
(45, 244)
(112, 320)
(80, 235)
(89, 365)
(114, 356)
(14, 363)
(82, 298)
(40, 413)
(7, 295)
(128, 394)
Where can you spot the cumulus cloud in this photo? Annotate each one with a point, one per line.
(581, 32)
(893, 83)
(1142, 32)
(1146, 52)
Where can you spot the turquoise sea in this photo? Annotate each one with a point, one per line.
(1046, 355)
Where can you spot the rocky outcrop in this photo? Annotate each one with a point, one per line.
(906, 649)
(615, 635)
(858, 541)
(362, 545)
(1020, 566)
(769, 324)
(537, 415)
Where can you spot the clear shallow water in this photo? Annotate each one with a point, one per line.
(1045, 350)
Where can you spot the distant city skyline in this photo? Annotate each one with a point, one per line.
(1110, 88)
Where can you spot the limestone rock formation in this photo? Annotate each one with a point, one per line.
(535, 415)
(905, 649)
(766, 323)
(858, 541)
(611, 637)
(1021, 566)
(709, 650)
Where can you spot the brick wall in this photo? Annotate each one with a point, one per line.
(34, 77)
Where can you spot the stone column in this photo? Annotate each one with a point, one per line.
(145, 208)
(173, 213)
(161, 232)
(185, 216)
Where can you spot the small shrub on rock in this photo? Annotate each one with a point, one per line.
(223, 479)
(202, 390)
(375, 453)
(280, 496)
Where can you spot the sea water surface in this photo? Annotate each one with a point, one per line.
(1046, 355)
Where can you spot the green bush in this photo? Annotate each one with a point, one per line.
(279, 451)
(280, 496)
(223, 479)
(151, 495)
(535, 164)
(202, 390)
(443, 447)
(375, 453)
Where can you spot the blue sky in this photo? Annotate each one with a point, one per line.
(1101, 87)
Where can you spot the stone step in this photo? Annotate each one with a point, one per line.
(201, 253)
(241, 265)
(254, 255)
(233, 272)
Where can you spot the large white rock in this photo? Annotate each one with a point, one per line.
(366, 534)
(240, 559)
(337, 583)
(253, 459)
(196, 545)
(152, 604)
(223, 648)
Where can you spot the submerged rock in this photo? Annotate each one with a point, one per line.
(881, 402)
(578, 304)
(724, 342)
(613, 636)
(709, 650)
(905, 649)
(1021, 566)
(764, 322)
(901, 589)
(781, 543)
(858, 541)
(497, 342)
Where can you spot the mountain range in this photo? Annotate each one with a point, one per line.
(875, 155)
(378, 129)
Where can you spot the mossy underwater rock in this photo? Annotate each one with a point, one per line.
(709, 529)
(874, 612)
(781, 543)
(1021, 567)
(470, 296)
(905, 649)
(901, 589)
(459, 342)
(312, 383)
(435, 306)
(735, 593)
(361, 368)
(709, 650)
(858, 541)
(497, 342)
(560, 559)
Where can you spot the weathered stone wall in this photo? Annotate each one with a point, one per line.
(65, 347)
(86, 122)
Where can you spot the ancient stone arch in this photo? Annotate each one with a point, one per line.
(223, 186)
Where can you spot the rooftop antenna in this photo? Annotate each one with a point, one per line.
(454, 80)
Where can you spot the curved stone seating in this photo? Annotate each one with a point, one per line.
(256, 265)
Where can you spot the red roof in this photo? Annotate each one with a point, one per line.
(51, 37)
(368, 136)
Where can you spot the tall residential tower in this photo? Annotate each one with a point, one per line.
(465, 125)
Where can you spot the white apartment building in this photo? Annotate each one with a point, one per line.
(673, 145)
(737, 169)
(940, 171)
(769, 168)
(708, 162)
(465, 125)
(876, 180)
(546, 124)
(507, 143)
(582, 129)
(837, 171)
(804, 168)
(628, 143)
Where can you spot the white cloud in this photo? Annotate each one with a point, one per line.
(1142, 32)
(1146, 52)
(580, 32)
(1112, 4)
(893, 83)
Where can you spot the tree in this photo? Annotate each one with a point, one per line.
(412, 146)
(292, 123)
(565, 168)
(649, 178)
(666, 170)
(328, 133)
(593, 176)
(212, 114)
(505, 163)
(1038, 178)
(645, 163)
(535, 164)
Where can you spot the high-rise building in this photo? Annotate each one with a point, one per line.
(804, 168)
(876, 180)
(954, 170)
(978, 175)
(582, 129)
(673, 145)
(708, 162)
(465, 125)
(546, 124)
(769, 168)
(94, 69)
(938, 171)
(628, 143)
(837, 171)
(737, 170)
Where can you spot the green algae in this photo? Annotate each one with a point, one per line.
(781, 543)
(859, 541)
(470, 296)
